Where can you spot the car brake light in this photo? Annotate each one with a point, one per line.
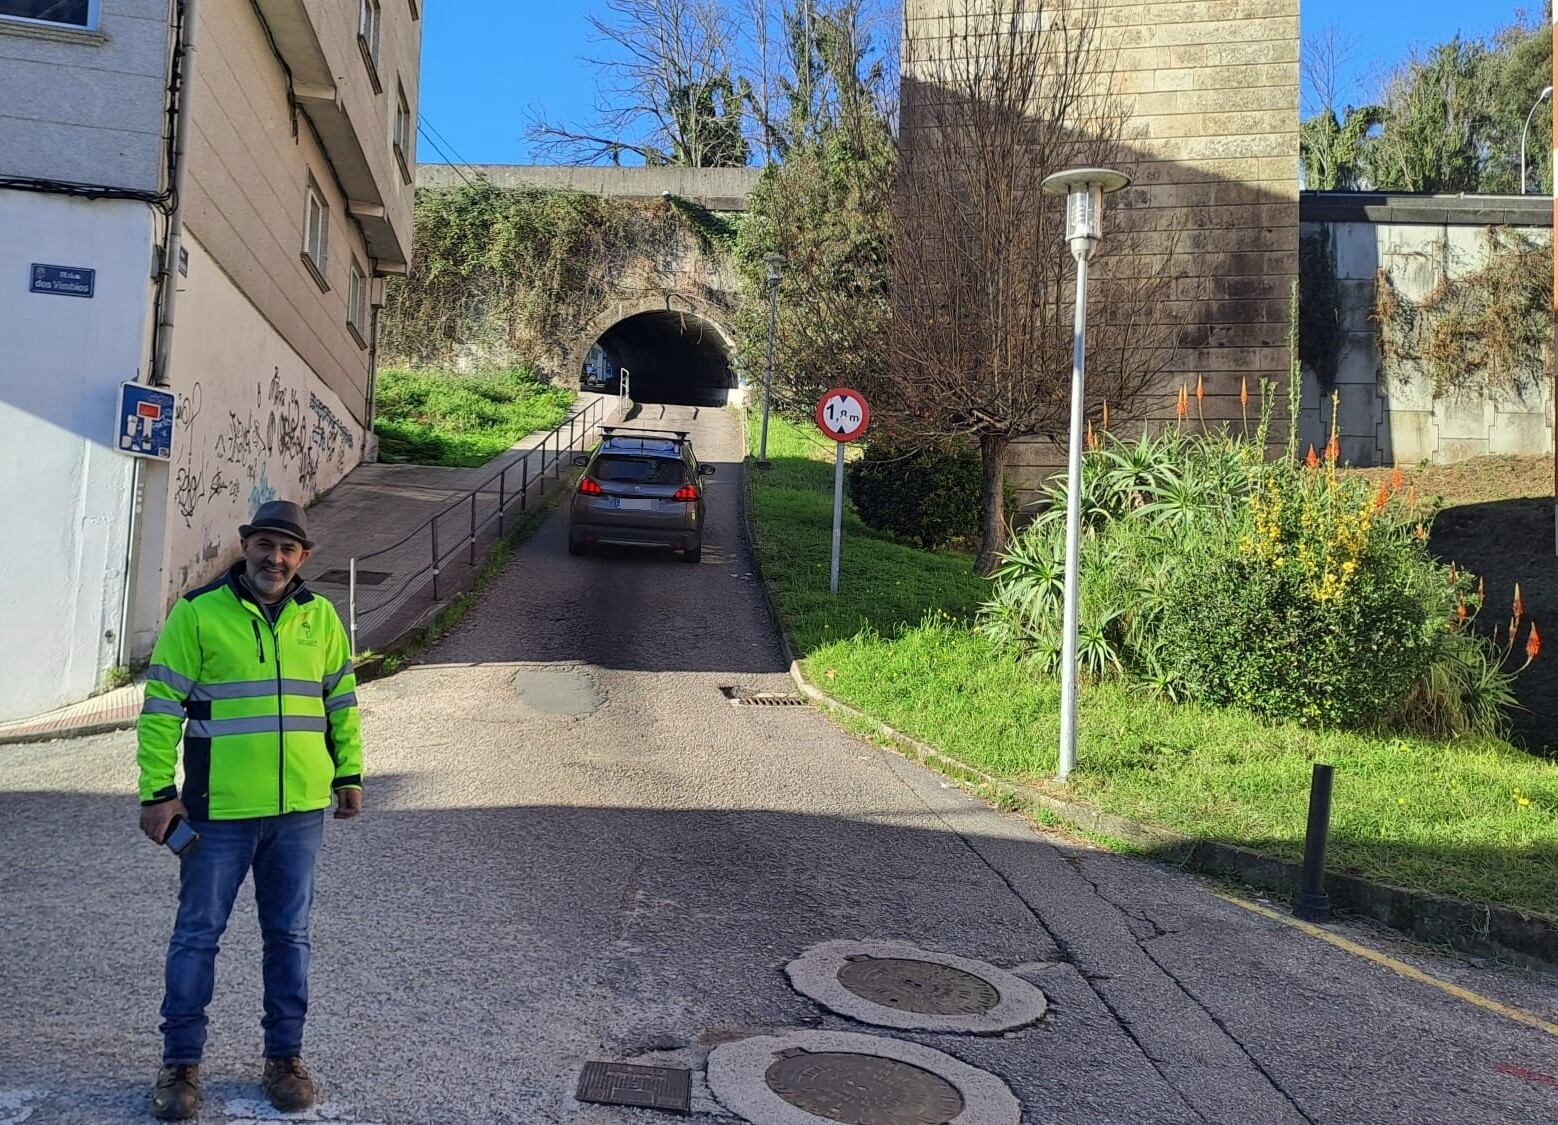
(686, 492)
(590, 488)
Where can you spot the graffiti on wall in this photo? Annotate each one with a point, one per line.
(234, 457)
(240, 452)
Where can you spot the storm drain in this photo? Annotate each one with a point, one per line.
(864, 1089)
(893, 984)
(808, 1077)
(646, 1087)
(745, 697)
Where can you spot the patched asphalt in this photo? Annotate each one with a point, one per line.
(576, 849)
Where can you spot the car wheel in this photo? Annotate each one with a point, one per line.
(576, 545)
(693, 554)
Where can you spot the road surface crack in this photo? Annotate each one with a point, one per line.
(1059, 943)
(1075, 863)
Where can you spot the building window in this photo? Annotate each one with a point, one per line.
(368, 39)
(316, 235)
(357, 305)
(403, 132)
(80, 14)
(415, 13)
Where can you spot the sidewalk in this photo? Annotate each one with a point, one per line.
(373, 509)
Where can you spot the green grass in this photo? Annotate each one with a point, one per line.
(883, 585)
(430, 417)
(1444, 817)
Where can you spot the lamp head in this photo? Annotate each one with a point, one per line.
(775, 268)
(1084, 189)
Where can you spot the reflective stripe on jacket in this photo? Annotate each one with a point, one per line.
(268, 712)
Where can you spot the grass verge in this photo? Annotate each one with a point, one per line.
(1474, 819)
(429, 417)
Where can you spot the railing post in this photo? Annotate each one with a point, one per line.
(434, 527)
(474, 491)
(557, 453)
(572, 418)
(502, 497)
(541, 472)
(351, 602)
(524, 483)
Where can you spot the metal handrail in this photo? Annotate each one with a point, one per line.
(580, 425)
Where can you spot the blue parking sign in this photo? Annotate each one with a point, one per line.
(146, 421)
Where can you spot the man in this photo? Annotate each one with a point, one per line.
(257, 671)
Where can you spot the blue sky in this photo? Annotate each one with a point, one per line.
(1384, 31)
(487, 63)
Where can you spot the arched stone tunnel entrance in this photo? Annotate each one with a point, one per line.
(673, 356)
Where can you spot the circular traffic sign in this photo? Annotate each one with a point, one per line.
(843, 414)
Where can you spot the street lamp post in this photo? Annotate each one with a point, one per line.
(1547, 92)
(775, 269)
(1084, 189)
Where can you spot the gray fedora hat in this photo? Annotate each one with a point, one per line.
(281, 516)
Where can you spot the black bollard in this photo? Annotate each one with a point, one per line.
(1313, 904)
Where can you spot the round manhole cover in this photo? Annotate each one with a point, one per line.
(864, 1089)
(924, 987)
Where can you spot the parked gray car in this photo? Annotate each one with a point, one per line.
(640, 488)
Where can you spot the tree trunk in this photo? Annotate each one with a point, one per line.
(992, 502)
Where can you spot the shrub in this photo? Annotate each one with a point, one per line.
(1292, 591)
(929, 497)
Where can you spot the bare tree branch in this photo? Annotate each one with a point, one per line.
(996, 96)
(668, 94)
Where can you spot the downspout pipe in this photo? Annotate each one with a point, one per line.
(168, 288)
(162, 348)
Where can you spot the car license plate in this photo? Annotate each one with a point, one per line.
(636, 505)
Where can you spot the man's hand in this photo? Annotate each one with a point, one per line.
(156, 820)
(348, 803)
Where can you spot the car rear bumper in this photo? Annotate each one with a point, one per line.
(625, 535)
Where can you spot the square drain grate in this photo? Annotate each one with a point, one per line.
(364, 577)
(646, 1087)
(746, 697)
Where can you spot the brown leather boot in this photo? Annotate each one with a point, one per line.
(288, 1085)
(176, 1096)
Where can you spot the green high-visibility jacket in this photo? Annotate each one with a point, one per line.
(268, 711)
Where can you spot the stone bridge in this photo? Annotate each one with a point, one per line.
(666, 321)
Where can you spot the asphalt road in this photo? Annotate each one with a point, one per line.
(575, 849)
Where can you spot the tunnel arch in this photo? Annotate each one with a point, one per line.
(678, 355)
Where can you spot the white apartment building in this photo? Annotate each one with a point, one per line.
(291, 205)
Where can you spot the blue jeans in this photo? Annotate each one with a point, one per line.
(281, 851)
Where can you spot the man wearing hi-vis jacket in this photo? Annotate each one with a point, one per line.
(256, 672)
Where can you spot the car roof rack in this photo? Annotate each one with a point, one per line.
(621, 431)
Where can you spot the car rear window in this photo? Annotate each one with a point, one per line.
(640, 470)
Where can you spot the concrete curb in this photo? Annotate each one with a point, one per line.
(1479, 928)
(109, 711)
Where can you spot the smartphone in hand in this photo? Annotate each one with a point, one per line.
(181, 837)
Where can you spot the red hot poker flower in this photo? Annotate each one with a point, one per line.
(1313, 459)
(1533, 643)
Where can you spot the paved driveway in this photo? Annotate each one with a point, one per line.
(576, 849)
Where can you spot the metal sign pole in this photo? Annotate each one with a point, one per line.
(838, 515)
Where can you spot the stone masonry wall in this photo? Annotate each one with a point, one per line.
(1213, 88)
(1399, 420)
